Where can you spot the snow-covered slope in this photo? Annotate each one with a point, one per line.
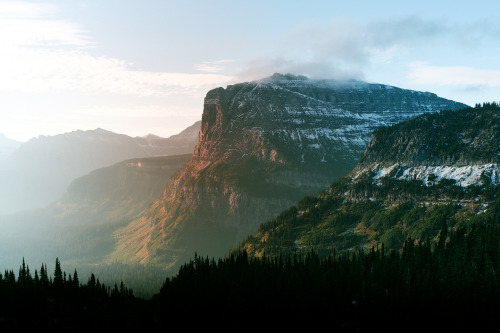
(463, 147)
(464, 176)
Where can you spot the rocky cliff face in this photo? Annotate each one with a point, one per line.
(262, 146)
(412, 178)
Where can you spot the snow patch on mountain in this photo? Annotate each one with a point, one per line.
(462, 175)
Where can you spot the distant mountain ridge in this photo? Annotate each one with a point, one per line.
(78, 227)
(263, 145)
(39, 171)
(7, 146)
(177, 144)
(412, 179)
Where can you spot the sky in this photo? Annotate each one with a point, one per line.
(144, 66)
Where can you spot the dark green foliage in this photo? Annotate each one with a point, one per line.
(452, 277)
(455, 277)
(62, 301)
(440, 138)
(386, 213)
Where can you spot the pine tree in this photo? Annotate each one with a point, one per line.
(76, 282)
(36, 279)
(22, 277)
(44, 277)
(58, 281)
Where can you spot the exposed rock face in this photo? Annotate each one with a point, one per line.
(462, 146)
(263, 145)
(412, 177)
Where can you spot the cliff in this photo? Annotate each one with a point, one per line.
(262, 146)
(412, 179)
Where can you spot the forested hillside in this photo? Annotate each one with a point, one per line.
(449, 284)
(382, 202)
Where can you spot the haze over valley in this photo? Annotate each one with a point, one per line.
(198, 159)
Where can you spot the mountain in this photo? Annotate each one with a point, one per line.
(263, 145)
(40, 170)
(7, 146)
(436, 171)
(79, 227)
(177, 144)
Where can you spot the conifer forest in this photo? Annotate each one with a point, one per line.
(449, 282)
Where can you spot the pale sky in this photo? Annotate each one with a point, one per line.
(144, 66)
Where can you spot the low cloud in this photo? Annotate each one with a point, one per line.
(315, 49)
(260, 68)
(342, 49)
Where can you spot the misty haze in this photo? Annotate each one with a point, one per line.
(319, 163)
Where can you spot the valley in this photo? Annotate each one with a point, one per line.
(279, 165)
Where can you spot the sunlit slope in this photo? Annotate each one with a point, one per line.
(79, 227)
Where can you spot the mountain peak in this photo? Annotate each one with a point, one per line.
(151, 137)
(287, 77)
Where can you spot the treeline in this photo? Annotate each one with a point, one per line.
(63, 300)
(144, 280)
(454, 280)
(465, 135)
(449, 282)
